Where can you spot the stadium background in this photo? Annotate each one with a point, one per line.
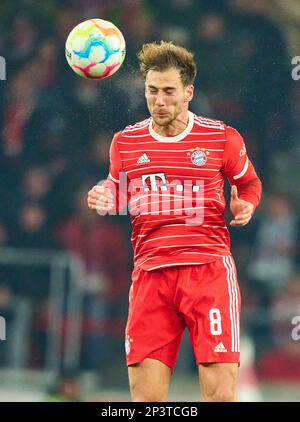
(65, 272)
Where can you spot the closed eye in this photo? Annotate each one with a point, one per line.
(167, 90)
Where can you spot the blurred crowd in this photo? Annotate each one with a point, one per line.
(56, 130)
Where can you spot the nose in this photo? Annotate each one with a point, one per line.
(159, 101)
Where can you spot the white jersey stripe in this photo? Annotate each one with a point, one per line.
(149, 229)
(206, 133)
(176, 224)
(134, 129)
(155, 142)
(176, 263)
(113, 179)
(166, 150)
(209, 121)
(162, 220)
(137, 126)
(136, 143)
(241, 174)
(154, 221)
(231, 310)
(216, 181)
(203, 124)
(206, 140)
(171, 167)
(179, 160)
(201, 253)
(132, 166)
(198, 253)
(233, 303)
(169, 197)
(198, 235)
(141, 123)
(235, 285)
(179, 209)
(134, 136)
(188, 177)
(169, 237)
(176, 246)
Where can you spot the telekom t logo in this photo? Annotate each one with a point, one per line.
(159, 181)
(153, 181)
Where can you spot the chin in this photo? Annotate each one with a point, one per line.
(162, 121)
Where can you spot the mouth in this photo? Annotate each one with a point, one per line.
(161, 114)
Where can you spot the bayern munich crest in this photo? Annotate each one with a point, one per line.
(199, 157)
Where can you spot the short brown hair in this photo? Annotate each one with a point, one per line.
(163, 56)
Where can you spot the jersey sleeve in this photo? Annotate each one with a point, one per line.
(115, 179)
(115, 163)
(238, 168)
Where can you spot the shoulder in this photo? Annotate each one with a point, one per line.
(234, 145)
(232, 134)
(131, 131)
(136, 128)
(234, 141)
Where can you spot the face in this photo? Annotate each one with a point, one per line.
(166, 95)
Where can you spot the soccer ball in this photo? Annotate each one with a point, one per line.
(95, 49)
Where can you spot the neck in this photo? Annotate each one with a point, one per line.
(175, 127)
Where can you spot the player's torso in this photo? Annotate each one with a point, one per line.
(191, 162)
(175, 184)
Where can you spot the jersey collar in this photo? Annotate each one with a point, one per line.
(176, 138)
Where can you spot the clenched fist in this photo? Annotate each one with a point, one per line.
(100, 199)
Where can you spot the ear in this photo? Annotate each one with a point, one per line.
(189, 93)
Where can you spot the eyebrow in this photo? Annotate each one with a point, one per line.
(167, 88)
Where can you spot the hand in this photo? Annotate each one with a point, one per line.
(241, 210)
(100, 199)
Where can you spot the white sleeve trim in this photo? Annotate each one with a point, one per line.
(113, 179)
(241, 174)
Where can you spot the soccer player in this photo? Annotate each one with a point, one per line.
(184, 275)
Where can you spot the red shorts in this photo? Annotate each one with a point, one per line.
(162, 303)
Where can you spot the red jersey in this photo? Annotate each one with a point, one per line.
(175, 189)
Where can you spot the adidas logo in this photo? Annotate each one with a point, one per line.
(143, 159)
(220, 348)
